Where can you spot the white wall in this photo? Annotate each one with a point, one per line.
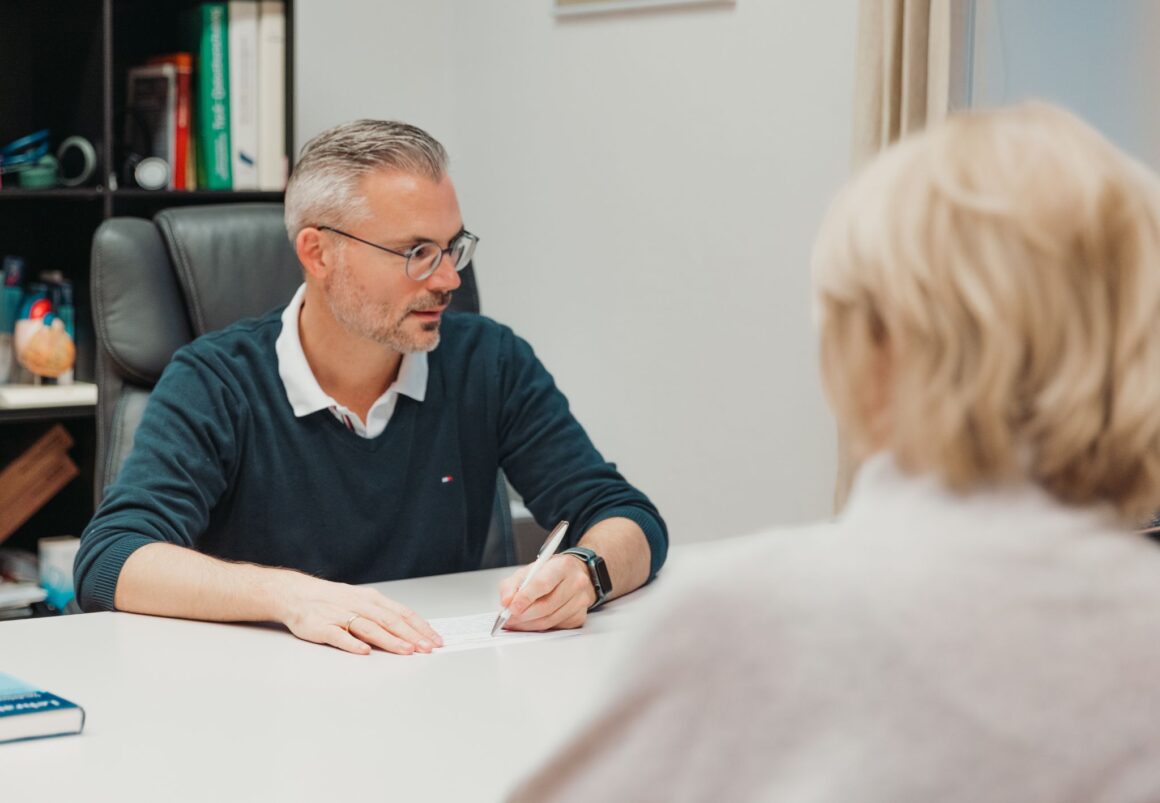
(1096, 58)
(646, 186)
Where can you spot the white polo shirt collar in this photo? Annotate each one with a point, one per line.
(306, 396)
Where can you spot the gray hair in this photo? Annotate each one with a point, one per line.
(323, 188)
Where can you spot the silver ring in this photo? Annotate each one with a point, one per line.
(350, 622)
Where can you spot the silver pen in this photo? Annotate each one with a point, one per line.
(546, 551)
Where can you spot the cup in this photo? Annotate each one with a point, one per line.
(57, 555)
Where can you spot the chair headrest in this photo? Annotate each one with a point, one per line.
(138, 312)
(232, 261)
(157, 285)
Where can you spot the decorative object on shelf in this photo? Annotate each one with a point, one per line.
(184, 169)
(43, 332)
(57, 554)
(11, 294)
(151, 126)
(568, 8)
(28, 158)
(44, 347)
(34, 477)
(150, 173)
(23, 153)
(77, 161)
(19, 584)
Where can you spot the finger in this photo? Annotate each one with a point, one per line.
(337, 637)
(573, 593)
(571, 614)
(545, 581)
(399, 626)
(508, 586)
(373, 633)
(416, 622)
(538, 616)
(544, 606)
(406, 624)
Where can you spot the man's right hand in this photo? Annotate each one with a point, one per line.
(352, 618)
(168, 580)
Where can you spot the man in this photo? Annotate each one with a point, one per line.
(333, 439)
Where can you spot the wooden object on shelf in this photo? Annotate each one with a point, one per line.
(35, 477)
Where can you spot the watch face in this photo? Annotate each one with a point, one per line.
(597, 573)
(602, 573)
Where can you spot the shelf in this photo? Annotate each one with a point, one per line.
(64, 66)
(21, 414)
(59, 194)
(225, 196)
(93, 193)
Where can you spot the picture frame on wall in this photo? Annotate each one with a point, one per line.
(569, 8)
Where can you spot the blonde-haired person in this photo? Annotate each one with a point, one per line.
(981, 623)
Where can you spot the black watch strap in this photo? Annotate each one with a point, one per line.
(597, 573)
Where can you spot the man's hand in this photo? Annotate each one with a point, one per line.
(557, 598)
(351, 618)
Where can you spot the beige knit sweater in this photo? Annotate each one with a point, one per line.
(925, 647)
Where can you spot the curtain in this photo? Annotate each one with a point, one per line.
(911, 70)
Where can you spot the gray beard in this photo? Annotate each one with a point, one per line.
(364, 319)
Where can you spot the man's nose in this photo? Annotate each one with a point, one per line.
(445, 278)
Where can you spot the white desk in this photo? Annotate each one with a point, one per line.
(192, 711)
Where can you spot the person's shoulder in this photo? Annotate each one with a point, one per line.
(242, 335)
(243, 347)
(468, 337)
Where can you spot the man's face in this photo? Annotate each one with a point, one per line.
(369, 292)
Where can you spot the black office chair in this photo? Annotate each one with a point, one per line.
(158, 284)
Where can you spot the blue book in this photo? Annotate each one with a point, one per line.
(27, 712)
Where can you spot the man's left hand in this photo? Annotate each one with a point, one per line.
(558, 596)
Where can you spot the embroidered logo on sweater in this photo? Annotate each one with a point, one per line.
(447, 479)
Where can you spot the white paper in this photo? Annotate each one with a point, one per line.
(473, 632)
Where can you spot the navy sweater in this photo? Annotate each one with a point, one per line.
(220, 464)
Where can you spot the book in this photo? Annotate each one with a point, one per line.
(272, 165)
(182, 172)
(27, 712)
(151, 115)
(243, 44)
(209, 31)
(78, 394)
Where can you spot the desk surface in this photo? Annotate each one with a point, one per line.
(180, 710)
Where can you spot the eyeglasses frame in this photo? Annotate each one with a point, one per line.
(410, 252)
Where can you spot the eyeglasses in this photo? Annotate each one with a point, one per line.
(424, 258)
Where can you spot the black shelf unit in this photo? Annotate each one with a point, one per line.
(65, 65)
(24, 415)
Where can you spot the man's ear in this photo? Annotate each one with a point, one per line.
(316, 257)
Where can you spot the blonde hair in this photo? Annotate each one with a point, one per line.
(996, 282)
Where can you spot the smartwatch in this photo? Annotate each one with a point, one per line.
(597, 572)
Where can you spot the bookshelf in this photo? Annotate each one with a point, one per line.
(65, 65)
